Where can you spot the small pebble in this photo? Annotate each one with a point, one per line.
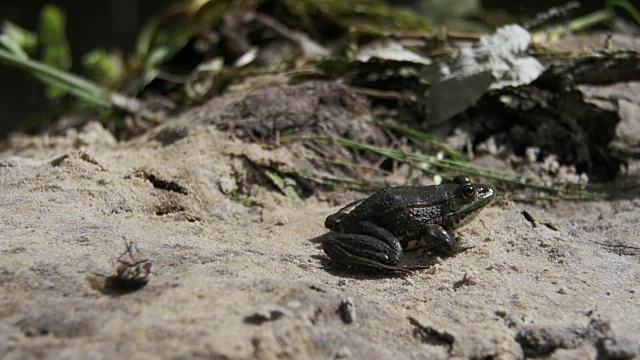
(347, 311)
(294, 304)
(343, 353)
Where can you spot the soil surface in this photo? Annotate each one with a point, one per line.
(236, 279)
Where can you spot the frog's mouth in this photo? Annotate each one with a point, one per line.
(468, 212)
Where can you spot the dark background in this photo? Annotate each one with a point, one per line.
(115, 24)
(90, 24)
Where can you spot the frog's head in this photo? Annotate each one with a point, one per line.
(467, 201)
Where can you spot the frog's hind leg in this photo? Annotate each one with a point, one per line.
(360, 251)
(380, 234)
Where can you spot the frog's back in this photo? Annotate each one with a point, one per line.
(401, 201)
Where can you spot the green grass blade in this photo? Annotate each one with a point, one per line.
(282, 185)
(81, 87)
(627, 6)
(419, 138)
(420, 161)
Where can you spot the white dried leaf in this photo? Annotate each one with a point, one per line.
(390, 51)
(496, 61)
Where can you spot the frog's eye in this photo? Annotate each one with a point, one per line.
(468, 192)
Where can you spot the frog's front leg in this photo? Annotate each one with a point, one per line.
(364, 244)
(441, 241)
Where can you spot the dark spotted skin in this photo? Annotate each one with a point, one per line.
(374, 231)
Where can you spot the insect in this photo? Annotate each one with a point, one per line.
(131, 272)
(133, 268)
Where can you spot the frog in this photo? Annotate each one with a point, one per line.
(373, 233)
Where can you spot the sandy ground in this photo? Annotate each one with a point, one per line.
(235, 281)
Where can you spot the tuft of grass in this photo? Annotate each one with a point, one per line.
(74, 84)
(80, 87)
